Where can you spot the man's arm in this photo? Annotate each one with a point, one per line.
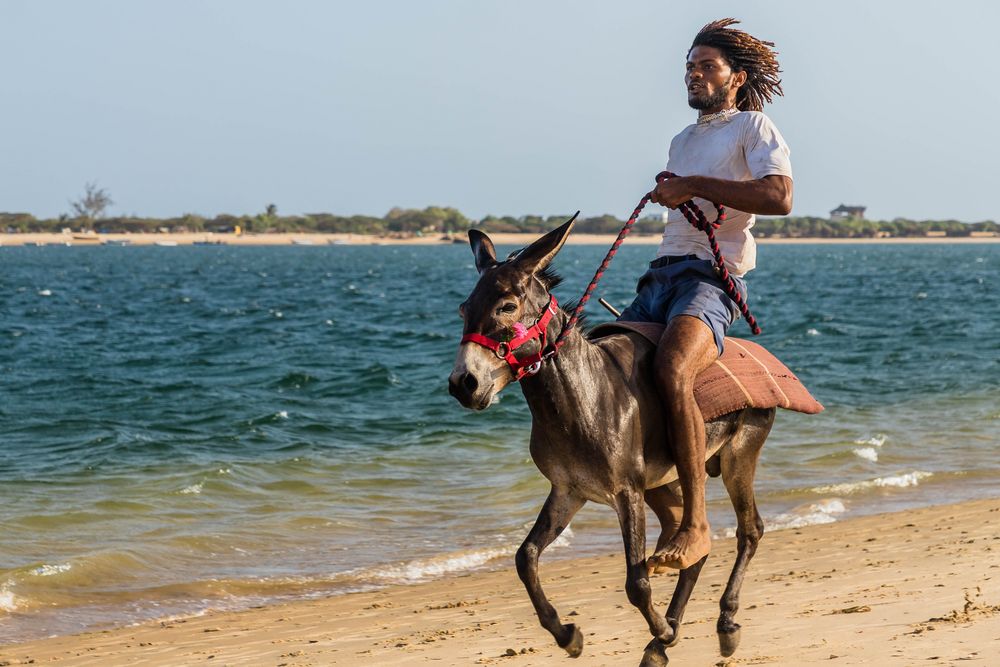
(771, 195)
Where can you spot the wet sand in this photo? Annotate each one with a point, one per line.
(77, 240)
(916, 587)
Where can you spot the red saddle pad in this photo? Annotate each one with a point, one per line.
(746, 376)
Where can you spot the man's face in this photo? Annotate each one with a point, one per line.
(710, 80)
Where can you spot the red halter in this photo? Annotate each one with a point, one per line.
(505, 350)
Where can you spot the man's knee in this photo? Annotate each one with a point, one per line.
(673, 380)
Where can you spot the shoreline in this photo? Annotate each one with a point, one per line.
(897, 588)
(144, 239)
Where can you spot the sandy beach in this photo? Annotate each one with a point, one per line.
(81, 240)
(918, 587)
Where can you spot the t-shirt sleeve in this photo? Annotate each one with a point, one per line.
(765, 149)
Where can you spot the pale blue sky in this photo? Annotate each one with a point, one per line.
(506, 107)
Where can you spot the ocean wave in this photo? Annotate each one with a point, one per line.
(431, 568)
(824, 511)
(438, 566)
(193, 489)
(47, 570)
(810, 514)
(892, 481)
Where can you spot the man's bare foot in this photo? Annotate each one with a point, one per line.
(685, 548)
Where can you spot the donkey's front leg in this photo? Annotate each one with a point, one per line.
(632, 517)
(556, 514)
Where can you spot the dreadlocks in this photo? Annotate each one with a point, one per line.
(745, 53)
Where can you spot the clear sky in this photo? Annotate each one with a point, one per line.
(514, 107)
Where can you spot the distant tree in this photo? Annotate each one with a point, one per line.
(271, 211)
(93, 203)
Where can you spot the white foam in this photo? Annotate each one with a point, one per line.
(824, 511)
(893, 481)
(44, 292)
(876, 440)
(283, 414)
(8, 601)
(812, 332)
(49, 570)
(419, 570)
(867, 453)
(193, 489)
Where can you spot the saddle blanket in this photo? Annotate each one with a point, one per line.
(745, 376)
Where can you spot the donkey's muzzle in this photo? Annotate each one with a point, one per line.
(463, 386)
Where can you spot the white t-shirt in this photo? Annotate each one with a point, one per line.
(744, 146)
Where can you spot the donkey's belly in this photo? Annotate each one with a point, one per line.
(660, 468)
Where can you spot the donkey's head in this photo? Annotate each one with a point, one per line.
(509, 298)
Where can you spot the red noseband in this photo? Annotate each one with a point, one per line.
(505, 350)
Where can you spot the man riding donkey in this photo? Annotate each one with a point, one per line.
(732, 155)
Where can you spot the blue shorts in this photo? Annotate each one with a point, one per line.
(690, 286)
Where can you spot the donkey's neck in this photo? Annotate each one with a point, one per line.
(568, 385)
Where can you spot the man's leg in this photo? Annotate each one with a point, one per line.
(687, 348)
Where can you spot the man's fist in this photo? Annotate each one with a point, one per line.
(671, 192)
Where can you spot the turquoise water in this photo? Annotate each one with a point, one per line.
(192, 428)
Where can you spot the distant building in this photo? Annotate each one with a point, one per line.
(843, 212)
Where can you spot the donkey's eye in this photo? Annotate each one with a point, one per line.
(507, 308)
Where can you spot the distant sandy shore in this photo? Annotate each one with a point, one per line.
(78, 240)
(917, 587)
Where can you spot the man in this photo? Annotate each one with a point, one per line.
(734, 156)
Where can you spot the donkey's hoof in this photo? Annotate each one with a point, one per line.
(574, 645)
(655, 654)
(729, 640)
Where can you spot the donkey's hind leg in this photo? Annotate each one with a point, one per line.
(739, 464)
(555, 515)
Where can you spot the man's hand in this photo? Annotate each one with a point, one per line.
(672, 192)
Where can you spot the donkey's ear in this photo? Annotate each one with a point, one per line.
(482, 248)
(537, 256)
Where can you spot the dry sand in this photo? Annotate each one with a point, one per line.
(78, 240)
(913, 588)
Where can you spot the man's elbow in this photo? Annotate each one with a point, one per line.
(782, 195)
(785, 205)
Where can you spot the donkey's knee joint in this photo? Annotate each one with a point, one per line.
(638, 590)
(525, 559)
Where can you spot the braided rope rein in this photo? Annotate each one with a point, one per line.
(697, 219)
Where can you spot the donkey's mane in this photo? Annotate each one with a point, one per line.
(549, 278)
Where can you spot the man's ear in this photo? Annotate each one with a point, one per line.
(482, 248)
(537, 256)
(739, 79)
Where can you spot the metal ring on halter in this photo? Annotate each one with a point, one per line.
(503, 349)
(533, 368)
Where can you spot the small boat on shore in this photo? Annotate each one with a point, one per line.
(302, 242)
(118, 242)
(166, 244)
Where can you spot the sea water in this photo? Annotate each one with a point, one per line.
(196, 428)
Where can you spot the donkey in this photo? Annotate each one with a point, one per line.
(598, 434)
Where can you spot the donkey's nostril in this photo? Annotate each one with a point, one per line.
(470, 383)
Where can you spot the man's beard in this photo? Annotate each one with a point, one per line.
(716, 99)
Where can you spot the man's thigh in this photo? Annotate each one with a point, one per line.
(687, 348)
